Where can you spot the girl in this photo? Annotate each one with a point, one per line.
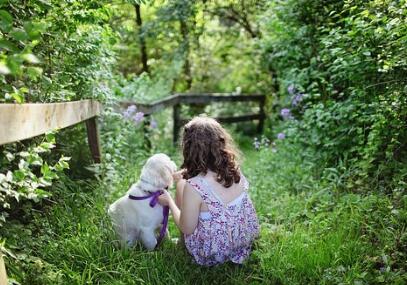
(212, 209)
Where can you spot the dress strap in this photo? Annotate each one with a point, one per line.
(244, 181)
(200, 187)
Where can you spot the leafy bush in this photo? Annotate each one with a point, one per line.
(55, 52)
(349, 60)
(50, 51)
(25, 174)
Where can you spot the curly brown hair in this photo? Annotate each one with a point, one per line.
(207, 145)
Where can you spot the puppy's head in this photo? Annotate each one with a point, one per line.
(157, 173)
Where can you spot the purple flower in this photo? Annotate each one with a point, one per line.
(291, 89)
(132, 109)
(297, 99)
(281, 136)
(285, 113)
(153, 124)
(138, 117)
(129, 111)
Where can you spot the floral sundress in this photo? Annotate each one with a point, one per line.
(226, 232)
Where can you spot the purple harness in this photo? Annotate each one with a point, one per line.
(166, 210)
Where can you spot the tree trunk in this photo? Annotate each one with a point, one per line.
(187, 65)
(143, 49)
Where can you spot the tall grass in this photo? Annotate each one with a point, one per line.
(309, 235)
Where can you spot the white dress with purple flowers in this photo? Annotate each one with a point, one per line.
(226, 232)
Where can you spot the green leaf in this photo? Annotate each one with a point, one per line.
(6, 21)
(34, 72)
(18, 97)
(18, 175)
(50, 137)
(7, 45)
(45, 170)
(34, 29)
(19, 34)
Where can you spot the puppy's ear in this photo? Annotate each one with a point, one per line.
(173, 166)
(165, 175)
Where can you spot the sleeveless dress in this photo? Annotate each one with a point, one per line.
(226, 232)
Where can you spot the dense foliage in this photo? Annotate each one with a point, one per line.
(328, 176)
(346, 62)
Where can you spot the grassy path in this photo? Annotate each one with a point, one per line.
(308, 236)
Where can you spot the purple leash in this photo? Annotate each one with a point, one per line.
(166, 210)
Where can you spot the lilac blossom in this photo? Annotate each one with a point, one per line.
(129, 111)
(297, 99)
(281, 136)
(138, 117)
(285, 113)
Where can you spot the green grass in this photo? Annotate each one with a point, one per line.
(309, 235)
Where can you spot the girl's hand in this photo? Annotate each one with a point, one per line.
(164, 199)
(177, 175)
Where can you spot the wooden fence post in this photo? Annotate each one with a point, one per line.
(93, 139)
(3, 274)
(146, 132)
(260, 126)
(176, 118)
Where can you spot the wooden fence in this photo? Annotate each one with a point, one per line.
(22, 121)
(3, 275)
(175, 101)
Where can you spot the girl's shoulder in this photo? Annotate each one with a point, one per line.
(197, 183)
(195, 179)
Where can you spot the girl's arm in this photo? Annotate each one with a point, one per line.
(185, 218)
(191, 207)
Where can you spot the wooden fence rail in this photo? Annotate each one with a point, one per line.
(23, 121)
(177, 100)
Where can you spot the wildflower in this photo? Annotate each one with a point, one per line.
(285, 113)
(281, 136)
(129, 111)
(132, 108)
(138, 117)
(256, 144)
(291, 89)
(297, 99)
(265, 141)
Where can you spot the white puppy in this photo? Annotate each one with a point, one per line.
(136, 219)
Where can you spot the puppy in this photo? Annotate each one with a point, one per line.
(137, 220)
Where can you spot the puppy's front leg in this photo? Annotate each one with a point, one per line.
(148, 239)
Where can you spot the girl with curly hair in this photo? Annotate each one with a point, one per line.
(212, 207)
